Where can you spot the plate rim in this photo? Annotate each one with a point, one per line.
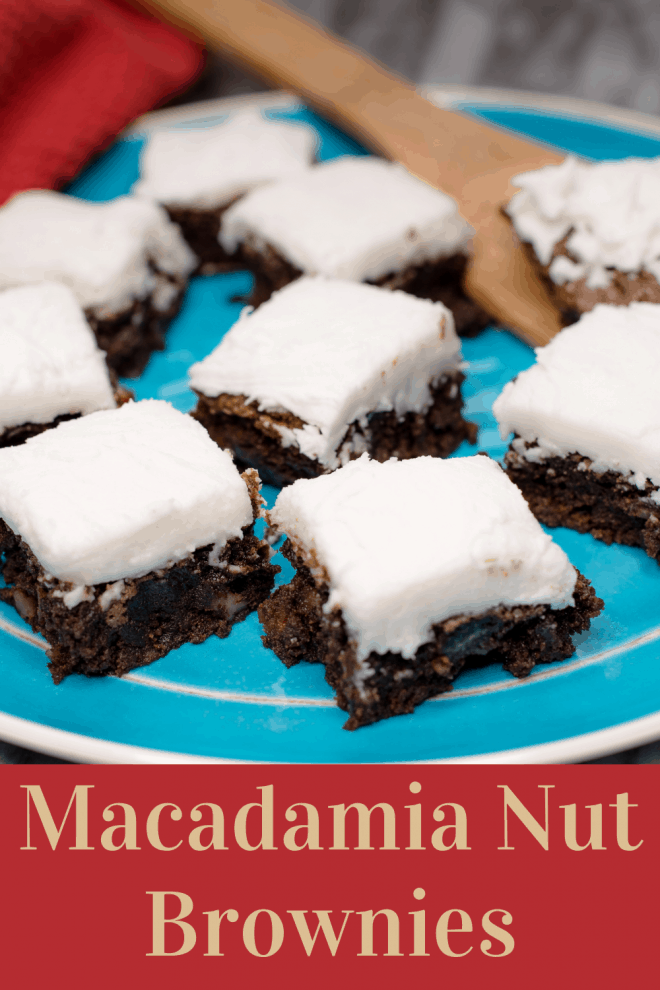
(446, 97)
(89, 749)
(72, 746)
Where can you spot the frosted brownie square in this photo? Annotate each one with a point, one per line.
(592, 230)
(586, 419)
(328, 369)
(50, 366)
(409, 570)
(125, 534)
(362, 219)
(197, 173)
(126, 263)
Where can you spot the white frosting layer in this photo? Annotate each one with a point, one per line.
(118, 494)
(207, 167)
(406, 544)
(100, 250)
(331, 352)
(352, 218)
(49, 365)
(613, 209)
(593, 391)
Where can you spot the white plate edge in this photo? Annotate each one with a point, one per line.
(445, 97)
(86, 749)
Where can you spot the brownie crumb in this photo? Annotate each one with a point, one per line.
(130, 338)
(200, 229)
(13, 436)
(565, 491)
(572, 299)
(234, 422)
(297, 627)
(142, 618)
(439, 281)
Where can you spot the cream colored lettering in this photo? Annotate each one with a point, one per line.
(506, 938)
(622, 829)
(459, 828)
(324, 925)
(276, 933)
(310, 828)
(540, 833)
(595, 832)
(367, 943)
(442, 931)
(419, 925)
(153, 825)
(415, 819)
(217, 828)
(128, 827)
(265, 806)
(214, 922)
(79, 797)
(364, 825)
(159, 921)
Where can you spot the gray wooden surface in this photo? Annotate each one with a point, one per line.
(605, 50)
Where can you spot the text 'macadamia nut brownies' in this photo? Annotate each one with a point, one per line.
(586, 425)
(125, 261)
(592, 230)
(327, 370)
(361, 219)
(409, 570)
(196, 173)
(125, 534)
(50, 366)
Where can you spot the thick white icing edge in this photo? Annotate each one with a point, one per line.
(208, 167)
(330, 352)
(50, 363)
(351, 218)
(593, 391)
(100, 250)
(120, 493)
(407, 544)
(613, 209)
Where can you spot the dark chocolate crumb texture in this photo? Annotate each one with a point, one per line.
(586, 255)
(439, 281)
(140, 619)
(200, 229)
(253, 436)
(12, 436)
(565, 491)
(298, 627)
(130, 337)
(574, 298)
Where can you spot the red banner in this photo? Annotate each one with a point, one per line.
(329, 876)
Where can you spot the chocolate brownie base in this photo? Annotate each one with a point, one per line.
(185, 603)
(298, 628)
(440, 281)
(565, 491)
(574, 298)
(253, 435)
(12, 436)
(130, 338)
(200, 229)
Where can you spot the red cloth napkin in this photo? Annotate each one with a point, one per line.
(73, 73)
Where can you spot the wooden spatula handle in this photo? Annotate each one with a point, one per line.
(379, 108)
(465, 158)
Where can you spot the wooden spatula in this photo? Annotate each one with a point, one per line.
(469, 160)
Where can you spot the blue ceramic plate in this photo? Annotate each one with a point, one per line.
(233, 700)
